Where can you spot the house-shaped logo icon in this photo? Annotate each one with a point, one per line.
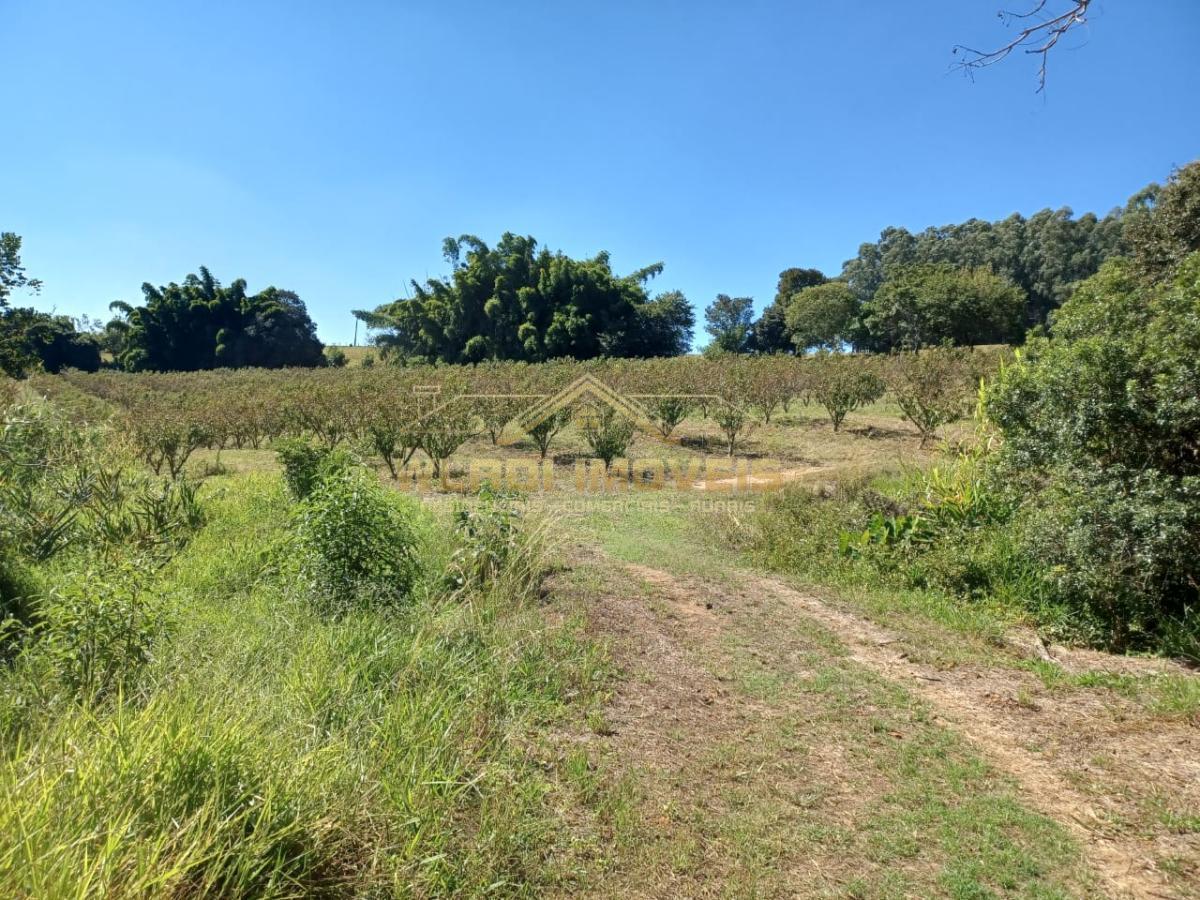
(586, 390)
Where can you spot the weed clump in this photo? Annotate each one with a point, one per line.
(305, 465)
(356, 542)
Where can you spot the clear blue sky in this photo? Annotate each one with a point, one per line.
(329, 147)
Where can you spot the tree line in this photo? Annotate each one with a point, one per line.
(973, 283)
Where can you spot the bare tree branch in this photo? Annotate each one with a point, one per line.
(1038, 38)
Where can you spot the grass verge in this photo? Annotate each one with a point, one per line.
(268, 750)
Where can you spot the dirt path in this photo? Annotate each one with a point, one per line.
(1092, 762)
(989, 708)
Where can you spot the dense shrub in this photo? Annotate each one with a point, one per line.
(488, 536)
(1104, 418)
(357, 541)
(98, 630)
(305, 464)
(68, 487)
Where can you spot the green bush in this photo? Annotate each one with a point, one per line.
(801, 530)
(357, 541)
(305, 464)
(99, 630)
(1120, 548)
(607, 433)
(66, 488)
(1101, 427)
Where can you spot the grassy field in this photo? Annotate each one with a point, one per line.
(670, 693)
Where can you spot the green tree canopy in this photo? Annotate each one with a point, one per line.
(201, 324)
(1168, 228)
(770, 332)
(1044, 255)
(49, 340)
(521, 302)
(12, 273)
(822, 316)
(28, 337)
(729, 320)
(926, 305)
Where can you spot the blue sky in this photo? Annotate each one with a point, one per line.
(328, 148)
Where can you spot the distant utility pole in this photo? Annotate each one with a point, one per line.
(355, 344)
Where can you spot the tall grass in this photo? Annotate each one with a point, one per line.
(271, 750)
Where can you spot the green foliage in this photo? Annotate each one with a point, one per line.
(793, 281)
(1120, 548)
(729, 321)
(898, 532)
(771, 333)
(842, 383)
(925, 305)
(733, 380)
(336, 357)
(607, 433)
(445, 424)
(267, 750)
(306, 465)
(98, 630)
(948, 535)
(167, 441)
(488, 536)
(19, 349)
(201, 324)
(668, 412)
(1043, 255)
(1164, 235)
(12, 272)
(29, 339)
(544, 432)
(822, 316)
(518, 302)
(19, 600)
(665, 328)
(1105, 416)
(356, 542)
(64, 488)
